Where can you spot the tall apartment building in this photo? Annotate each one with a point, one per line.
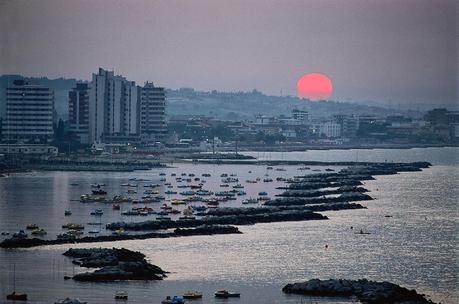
(122, 112)
(114, 107)
(79, 112)
(29, 113)
(152, 113)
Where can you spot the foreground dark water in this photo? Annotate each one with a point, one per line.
(416, 247)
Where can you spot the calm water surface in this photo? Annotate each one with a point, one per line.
(416, 247)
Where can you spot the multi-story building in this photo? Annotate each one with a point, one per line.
(29, 113)
(152, 113)
(330, 129)
(122, 112)
(349, 124)
(301, 116)
(114, 107)
(79, 112)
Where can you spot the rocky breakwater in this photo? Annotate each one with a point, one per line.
(199, 230)
(240, 219)
(114, 264)
(226, 211)
(365, 291)
(339, 187)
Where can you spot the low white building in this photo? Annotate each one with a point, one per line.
(330, 129)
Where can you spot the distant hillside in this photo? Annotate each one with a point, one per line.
(232, 106)
(243, 105)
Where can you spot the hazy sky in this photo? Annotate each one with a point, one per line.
(394, 50)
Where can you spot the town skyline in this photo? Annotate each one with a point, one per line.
(386, 52)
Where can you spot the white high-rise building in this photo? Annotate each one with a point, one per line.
(29, 113)
(114, 108)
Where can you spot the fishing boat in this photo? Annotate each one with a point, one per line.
(240, 193)
(173, 300)
(32, 227)
(73, 226)
(116, 207)
(192, 295)
(67, 212)
(16, 296)
(20, 235)
(130, 212)
(70, 301)
(119, 231)
(199, 208)
(250, 201)
(99, 192)
(39, 232)
(262, 193)
(152, 186)
(206, 175)
(121, 295)
(238, 186)
(93, 231)
(267, 180)
(97, 212)
(226, 294)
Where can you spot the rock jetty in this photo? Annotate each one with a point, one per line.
(114, 265)
(365, 291)
(200, 230)
(240, 219)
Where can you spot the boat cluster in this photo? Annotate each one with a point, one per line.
(193, 295)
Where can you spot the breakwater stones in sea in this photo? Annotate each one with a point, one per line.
(365, 291)
(114, 264)
(200, 230)
(240, 219)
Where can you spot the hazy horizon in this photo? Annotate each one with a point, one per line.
(397, 53)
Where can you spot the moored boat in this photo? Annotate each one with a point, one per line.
(16, 296)
(173, 300)
(121, 295)
(223, 293)
(191, 295)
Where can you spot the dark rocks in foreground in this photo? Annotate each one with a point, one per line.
(366, 291)
(115, 264)
(200, 230)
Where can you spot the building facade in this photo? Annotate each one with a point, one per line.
(79, 112)
(29, 113)
(153, 126)
(114, 107)
(122, 112)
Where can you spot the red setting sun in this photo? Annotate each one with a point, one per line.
(314, 86)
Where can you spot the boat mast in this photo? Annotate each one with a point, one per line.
(14, 278)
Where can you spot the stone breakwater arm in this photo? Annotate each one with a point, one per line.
(200, 230)
(243, 219)
(366, 291)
